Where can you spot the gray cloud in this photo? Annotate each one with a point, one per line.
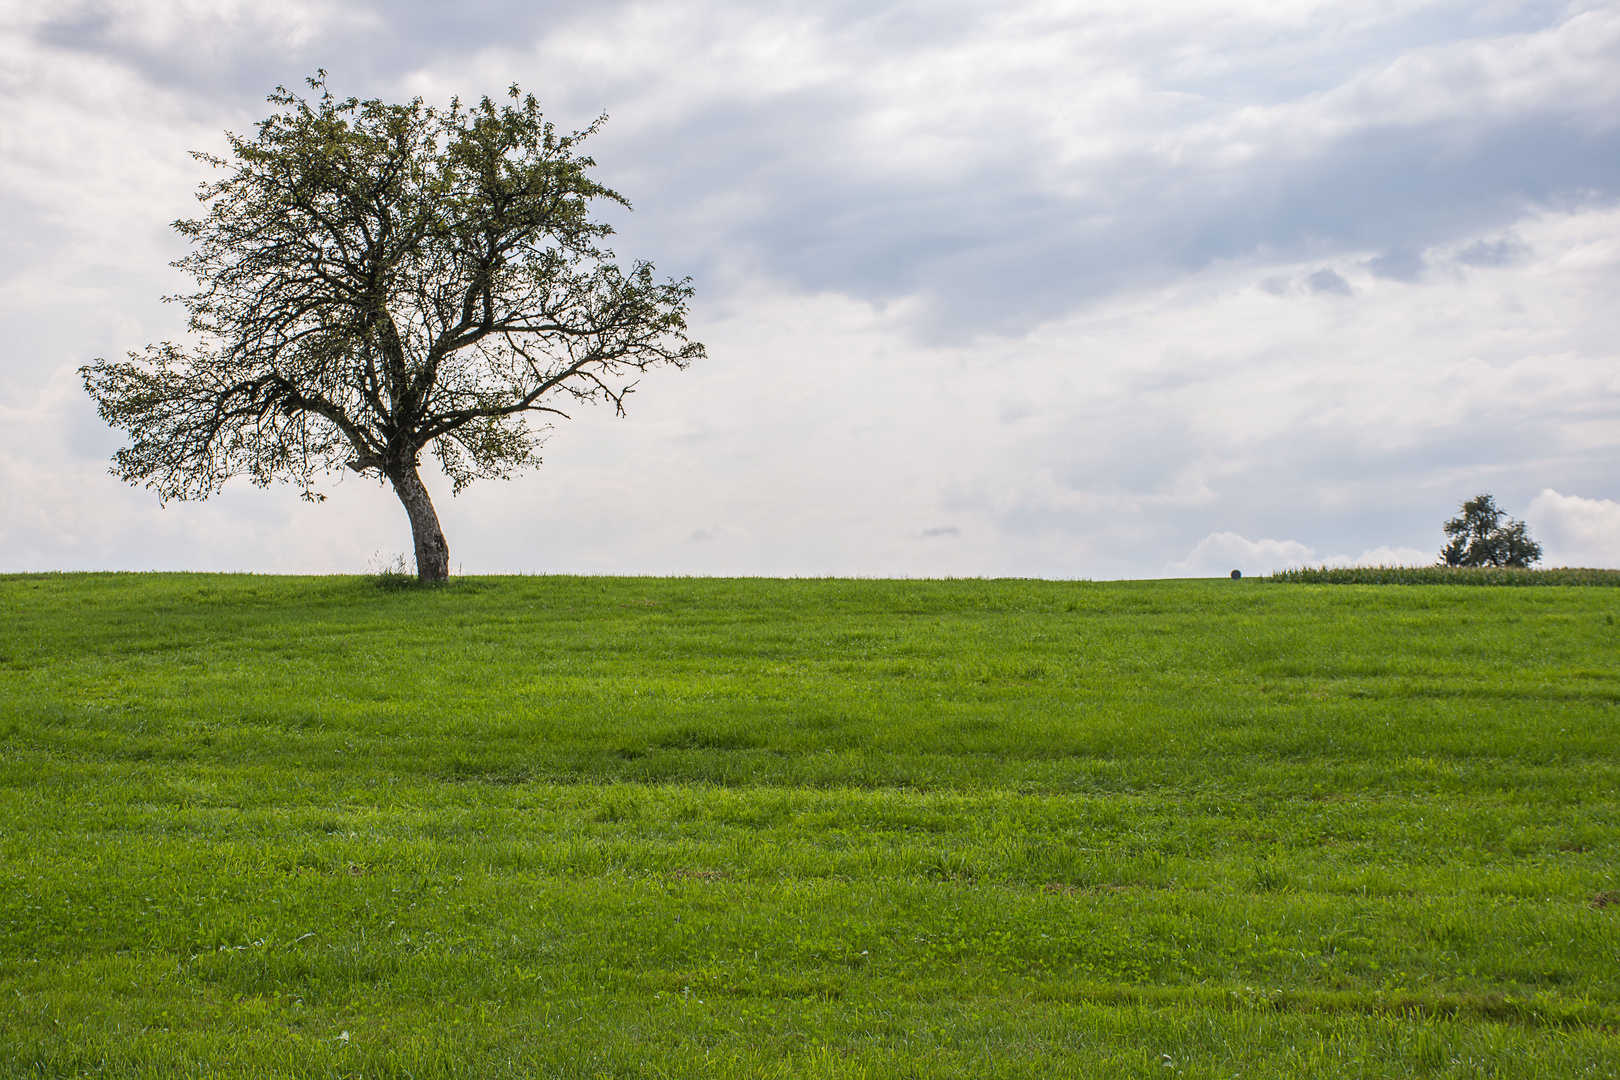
(1398, 265)
(1011, 229)
(1502, 251)
(1328, 280)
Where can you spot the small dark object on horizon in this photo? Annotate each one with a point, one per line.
(1236, 574)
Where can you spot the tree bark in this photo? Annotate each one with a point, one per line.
(432, 553)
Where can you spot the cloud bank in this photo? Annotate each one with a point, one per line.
(1218, 554)
(1018, 288)
(1574, 531)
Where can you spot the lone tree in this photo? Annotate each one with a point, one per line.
(1478, 537)
(375, 280)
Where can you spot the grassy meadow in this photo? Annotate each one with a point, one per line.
(644, 827)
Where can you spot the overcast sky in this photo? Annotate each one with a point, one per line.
(1102, 289)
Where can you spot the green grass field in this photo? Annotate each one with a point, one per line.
(585, 827)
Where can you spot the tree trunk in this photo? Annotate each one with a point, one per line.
(432, 553)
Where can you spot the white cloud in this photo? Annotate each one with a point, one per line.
(1390, 556)
(1218, 554)
(1574, 531)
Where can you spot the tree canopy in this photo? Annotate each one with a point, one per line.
(376, 280)
(1478, 537)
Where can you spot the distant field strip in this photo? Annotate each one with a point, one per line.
(1443, 575)
(588, 827)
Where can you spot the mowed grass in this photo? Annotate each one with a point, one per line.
(585, 827)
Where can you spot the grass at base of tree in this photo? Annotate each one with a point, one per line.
(1443, 575)
(691, 827)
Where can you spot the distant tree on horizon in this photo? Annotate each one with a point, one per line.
(1479, 538)
(377, 280)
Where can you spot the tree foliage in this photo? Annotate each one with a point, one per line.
(376, 280)
(1479, 537)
